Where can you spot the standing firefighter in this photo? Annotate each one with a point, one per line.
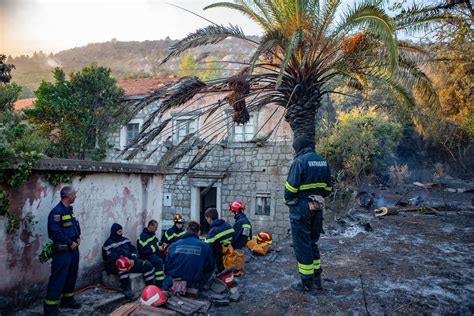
(307, 184)
(242, 226)
(219, 236)
(64, 231)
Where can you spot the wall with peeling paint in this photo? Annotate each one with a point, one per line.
(102, 199)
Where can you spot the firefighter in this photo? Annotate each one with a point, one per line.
(220, 235)
(117, 247)
(174, 233)
(308, 182)
(189, 259)
(242, 226)
(149, 249)
(64, 231)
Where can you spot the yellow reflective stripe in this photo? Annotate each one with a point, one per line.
(159, 278)
(169, 237)
(67, 294)
(144, 243)
(290, 188)
(221, 234)
(51, 302)
(159, 273)
(225, 241)
(66, 217)
(309, 186)
(153, 248)
(246, 226)
(317, 264)
(306, 269)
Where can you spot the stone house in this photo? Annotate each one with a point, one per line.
(235, 169)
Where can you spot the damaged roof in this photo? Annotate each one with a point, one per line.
(145, 86)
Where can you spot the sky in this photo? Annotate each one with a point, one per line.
(53, 25)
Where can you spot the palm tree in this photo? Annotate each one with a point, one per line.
(304, 53)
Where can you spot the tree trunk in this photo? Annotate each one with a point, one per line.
(301, 115)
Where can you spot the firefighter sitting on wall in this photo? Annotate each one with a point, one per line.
(121, 258)
(261, 243)
(150, 250)
(174, 233)
(220, 235)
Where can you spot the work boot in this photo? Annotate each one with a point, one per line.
(48, 311)
(317, 282)
(159, 283)
(126, 288)
(303, 286)
(70, 303)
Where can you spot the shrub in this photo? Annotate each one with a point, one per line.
(359, 141)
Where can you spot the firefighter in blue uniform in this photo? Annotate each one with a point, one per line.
(308, 182)
(117, 246)
(174, 233)
(220, 234)
(189, 259)
(64, 231)
(149, 249)
(242, 226)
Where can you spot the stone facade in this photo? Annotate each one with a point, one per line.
(233, 170)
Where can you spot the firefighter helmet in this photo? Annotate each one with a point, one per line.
(237, 206)
(123, 263)
(264, 236)
(178, 218)
(153, 296)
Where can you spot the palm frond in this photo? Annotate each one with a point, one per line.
(244, 9)
(289, 50)
(211, 34)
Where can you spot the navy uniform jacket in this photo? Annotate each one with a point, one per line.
(189, 259)
(116, 246)
(242, 231)
(63, 227)
(221, 233)
(309, 174)
(147, 244)
(171, 235)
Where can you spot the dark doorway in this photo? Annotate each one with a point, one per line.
(208, 199)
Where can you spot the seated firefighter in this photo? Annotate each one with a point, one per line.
(121, 258)
(261, 243)
(189, 259)
(150, 250)
(174, 233)
(219, 236)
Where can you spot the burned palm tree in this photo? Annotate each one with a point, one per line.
(305, 52)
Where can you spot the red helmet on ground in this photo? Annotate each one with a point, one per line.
(153, 296)
(178, 218)
(228, 279)
(237, 207)
(264, 236)
(123, 263)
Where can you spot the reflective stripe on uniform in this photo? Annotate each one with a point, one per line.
(153, 248)
(66, 217)
(114, 245)
(226, 241)
(159, 275)
(246, 226)
(317, 264)
(317, 185)
(305, 269)
(67, 294)
(51, 302)
(169, 237)
(290, 188)
(221, 234)
(144, 243)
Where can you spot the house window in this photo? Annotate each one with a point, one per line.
(184, 127)
(245, 132)
(132, 131)
(262, 205)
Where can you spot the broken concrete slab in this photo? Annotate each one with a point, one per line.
(137, 282)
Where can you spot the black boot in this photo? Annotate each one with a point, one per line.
(126, 288)
(305, 285)
(159, 283)
(69, 302)
(317, 282)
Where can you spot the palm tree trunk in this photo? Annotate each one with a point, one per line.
(301, 116)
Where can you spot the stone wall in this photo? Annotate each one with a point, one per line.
(106, 193)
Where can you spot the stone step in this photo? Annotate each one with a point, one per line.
(136, 281)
